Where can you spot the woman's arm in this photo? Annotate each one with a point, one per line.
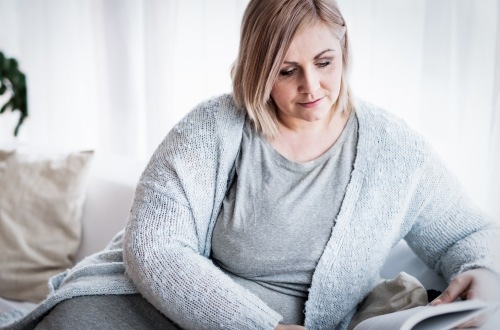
(168, 233)
(451, 234)
(455, 238)
(162, 259)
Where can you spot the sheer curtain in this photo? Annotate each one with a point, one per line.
(437, 65)
(116, 75)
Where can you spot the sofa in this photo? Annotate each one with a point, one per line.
(109, 193)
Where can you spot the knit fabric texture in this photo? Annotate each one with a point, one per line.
(398, 189)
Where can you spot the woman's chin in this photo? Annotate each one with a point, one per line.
(314, 115)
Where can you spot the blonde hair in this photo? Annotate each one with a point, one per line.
(267, 30)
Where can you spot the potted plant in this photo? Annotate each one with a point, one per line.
(13, 81)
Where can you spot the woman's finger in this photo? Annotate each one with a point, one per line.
(458, 287)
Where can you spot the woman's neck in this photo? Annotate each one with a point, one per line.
(308, 141)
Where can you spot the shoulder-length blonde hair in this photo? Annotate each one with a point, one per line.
(267, 30)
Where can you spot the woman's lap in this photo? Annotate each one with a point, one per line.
(105, 312)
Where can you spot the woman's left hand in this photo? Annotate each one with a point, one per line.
(480, 283)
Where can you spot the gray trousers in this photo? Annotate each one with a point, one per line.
(105, 312)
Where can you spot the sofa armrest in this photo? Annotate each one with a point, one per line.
(105, 213)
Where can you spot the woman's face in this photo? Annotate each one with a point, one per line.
(308, 84)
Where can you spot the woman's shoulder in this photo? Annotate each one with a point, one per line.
(380, 118)
(214, 119)
(390, 134)
(212, 126)
(221, 108)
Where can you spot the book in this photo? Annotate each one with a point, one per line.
(440, 317)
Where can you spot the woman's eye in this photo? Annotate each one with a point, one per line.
(323, 64)
(287, 73)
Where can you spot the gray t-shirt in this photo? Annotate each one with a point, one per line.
(277, 217)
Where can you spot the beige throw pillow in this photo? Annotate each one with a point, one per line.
(41, 201)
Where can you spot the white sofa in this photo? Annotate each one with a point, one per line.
(105, 213)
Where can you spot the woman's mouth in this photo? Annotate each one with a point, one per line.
(312, 104)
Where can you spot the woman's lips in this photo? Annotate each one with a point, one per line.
(312, 104)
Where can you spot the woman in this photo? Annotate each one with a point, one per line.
(275, 207)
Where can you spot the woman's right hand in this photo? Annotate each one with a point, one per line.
(289, 327)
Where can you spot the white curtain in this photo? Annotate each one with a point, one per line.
(116, 75)
(437, 65)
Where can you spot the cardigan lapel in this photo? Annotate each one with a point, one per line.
(328, 278)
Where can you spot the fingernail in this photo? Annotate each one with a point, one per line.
(436, 301)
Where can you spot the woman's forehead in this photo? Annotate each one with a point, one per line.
(311, 41)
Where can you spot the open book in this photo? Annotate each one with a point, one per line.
(440, 317)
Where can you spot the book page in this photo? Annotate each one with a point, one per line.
(443, 316)
(449, 320)
(388, 321)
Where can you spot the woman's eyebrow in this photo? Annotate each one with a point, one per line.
(315, 57)
(325, 51)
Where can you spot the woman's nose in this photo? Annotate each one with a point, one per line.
(309, 82)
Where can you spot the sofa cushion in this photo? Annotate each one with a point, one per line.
(41, 200)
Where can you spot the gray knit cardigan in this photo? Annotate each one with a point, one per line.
(399, 189)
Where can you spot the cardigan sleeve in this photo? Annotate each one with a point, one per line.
(168, 231)
(450, 234)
